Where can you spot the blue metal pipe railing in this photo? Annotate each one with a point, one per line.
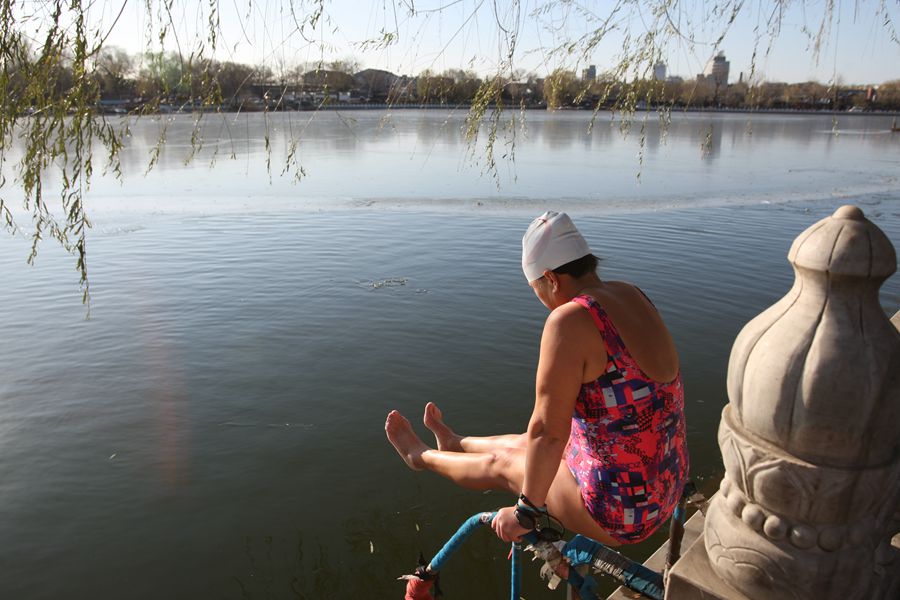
(461, 535)
(516, 568)
(578, 551)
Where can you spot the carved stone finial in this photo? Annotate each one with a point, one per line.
(811, 437)
(849, 211)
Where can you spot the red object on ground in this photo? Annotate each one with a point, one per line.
(418, 589)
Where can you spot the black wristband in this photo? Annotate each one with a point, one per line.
(546, 526)
(527, 504)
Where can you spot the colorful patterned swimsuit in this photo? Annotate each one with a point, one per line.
(627, 447)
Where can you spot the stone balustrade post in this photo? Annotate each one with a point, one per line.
(811, 436)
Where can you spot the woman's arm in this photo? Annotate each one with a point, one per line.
(569, 335)
(559, 375)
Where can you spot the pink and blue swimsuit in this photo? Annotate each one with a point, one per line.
(627, 448)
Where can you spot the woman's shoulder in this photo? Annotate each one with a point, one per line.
(570, 319)
(564, 314)
(571, 331)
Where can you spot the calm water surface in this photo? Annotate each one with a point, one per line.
(215, 428)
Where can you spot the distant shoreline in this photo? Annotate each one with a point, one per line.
(466, 107)
(773, 111)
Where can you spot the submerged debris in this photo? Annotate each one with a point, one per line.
(382, 283)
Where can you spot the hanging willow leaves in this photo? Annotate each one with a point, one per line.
(55, 69)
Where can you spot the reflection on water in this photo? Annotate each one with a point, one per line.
(277, 567)
(216, 428)
(421, 158)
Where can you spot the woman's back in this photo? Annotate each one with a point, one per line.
(641, 329)
(627, 445)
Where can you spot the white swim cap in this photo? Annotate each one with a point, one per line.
(551, 241)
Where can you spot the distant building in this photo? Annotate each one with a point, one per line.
(659, 71)
(589, 74)
(716, 71)
(375, 84)
(334, 81)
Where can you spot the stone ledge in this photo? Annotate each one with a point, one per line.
(693, 530)
(692, 577)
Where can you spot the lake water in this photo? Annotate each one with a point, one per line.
(215, 429)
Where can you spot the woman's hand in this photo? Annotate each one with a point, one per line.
(506, 526)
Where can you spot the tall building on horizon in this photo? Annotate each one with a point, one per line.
(716, 70)
(659, 71)
(589, 74)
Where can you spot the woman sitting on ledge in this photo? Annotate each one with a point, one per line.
(605, 450)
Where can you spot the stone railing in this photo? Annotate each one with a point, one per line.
(811, 437)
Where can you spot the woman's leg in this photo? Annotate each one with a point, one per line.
(564, 502)
(447, 439)
(501, 469)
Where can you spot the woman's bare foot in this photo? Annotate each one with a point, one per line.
(444, 436)
(408, 445)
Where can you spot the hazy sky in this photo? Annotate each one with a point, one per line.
(445, 34)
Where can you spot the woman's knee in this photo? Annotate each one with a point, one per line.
(506, 464)
(498, 461)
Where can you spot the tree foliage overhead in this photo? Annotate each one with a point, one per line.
(56, 67)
